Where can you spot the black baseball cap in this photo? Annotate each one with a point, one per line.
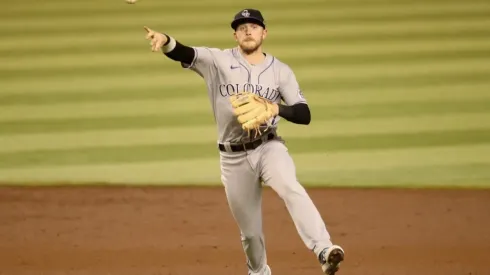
(248, 15)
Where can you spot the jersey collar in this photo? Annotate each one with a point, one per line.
(268, 59)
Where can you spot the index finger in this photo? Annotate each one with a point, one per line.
(150, 33)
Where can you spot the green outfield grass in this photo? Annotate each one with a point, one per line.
(399, 91)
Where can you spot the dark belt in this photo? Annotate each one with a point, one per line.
(246, 146)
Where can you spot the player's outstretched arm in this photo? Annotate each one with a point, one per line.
(172, 48)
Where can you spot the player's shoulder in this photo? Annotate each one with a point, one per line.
(280, 64)
(214, 49)
(281, 67)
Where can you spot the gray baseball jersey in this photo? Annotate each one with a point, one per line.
(227, 72)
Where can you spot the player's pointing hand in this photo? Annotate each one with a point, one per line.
(157, 40)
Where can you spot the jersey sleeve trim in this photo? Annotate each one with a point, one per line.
(170, 45)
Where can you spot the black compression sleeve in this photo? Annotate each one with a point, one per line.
(298, 113)
(181, 52)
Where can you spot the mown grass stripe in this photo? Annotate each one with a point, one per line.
(305, 18)
(345, 45)
(144, 153)
(104, 123)
(391, 158)
(376, 70)
(313, 93)
(390, 141)
(389, 58)
(162, 172)
(92, 5)
(304, 72)
(469, 175)
(73, 68)
(98, 138)
(193, 85)
(441, 176)
(394, 82)
(201, 106)
(400, 94)
(278, 16)
(372, 8)
(105, 109)
(133, 33)
(94, 61)
(349, 112)
(207, 134)
(399, 109)
(408, 36)
(175, 82)
(327, 74)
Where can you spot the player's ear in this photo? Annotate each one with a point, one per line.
(264, 33)
(234, 36)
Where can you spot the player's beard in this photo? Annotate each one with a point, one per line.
(250, 48)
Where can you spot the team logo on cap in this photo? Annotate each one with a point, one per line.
(245, 13)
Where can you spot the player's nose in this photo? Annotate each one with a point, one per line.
(248, 30)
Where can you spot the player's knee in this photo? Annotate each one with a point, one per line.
(251, 236)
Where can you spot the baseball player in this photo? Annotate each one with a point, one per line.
(246, 88)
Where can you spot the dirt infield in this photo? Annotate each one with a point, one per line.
(125, 230)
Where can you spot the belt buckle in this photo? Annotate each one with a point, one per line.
(258, 141)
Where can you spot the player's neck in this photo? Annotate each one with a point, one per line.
(255, 57)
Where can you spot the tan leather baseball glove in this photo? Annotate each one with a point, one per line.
(253, 111)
